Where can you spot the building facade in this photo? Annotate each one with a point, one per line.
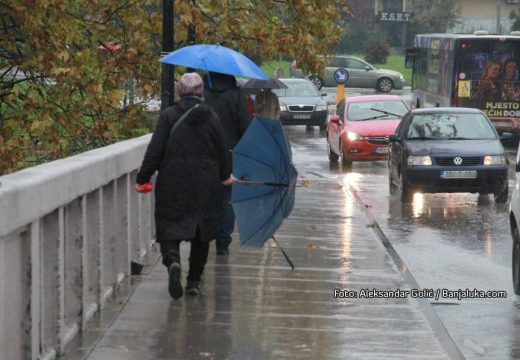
(489, 15)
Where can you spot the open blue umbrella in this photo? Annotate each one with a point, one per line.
(215, 58)
(264, 194)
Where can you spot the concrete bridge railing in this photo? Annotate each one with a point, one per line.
(68, 232)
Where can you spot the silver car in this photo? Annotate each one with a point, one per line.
(361, 74)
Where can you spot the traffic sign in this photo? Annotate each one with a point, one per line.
(341, 75)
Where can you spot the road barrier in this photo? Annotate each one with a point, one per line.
(68, 232)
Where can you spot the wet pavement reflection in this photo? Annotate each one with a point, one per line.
(253, 306)
(452, 241)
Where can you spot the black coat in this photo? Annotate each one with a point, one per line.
(230, 104)
(191, 165)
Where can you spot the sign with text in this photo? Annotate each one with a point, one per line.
(394, 16)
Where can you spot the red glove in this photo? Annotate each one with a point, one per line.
(144, 188)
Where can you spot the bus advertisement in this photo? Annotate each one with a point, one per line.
(479, 71)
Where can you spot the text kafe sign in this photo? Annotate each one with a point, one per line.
(394, 16)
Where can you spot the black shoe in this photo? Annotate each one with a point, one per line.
(174, 281)
(192, 288)
(223, 251)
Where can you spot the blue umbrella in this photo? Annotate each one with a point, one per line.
(215, 58)
(264, 194)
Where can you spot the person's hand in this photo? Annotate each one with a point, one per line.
(230, 180)
(144, 188)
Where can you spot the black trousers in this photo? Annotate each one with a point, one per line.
(170, 251)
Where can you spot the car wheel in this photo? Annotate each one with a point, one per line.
(501, 195)
(384, 85)
(516, 260)
(344, 162)
(318, 81)
(333, 157)
(405, 191)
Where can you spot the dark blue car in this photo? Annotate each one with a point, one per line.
(447, 150)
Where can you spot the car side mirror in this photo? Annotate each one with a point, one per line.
(394, 138)
(506, 136)
(367, 68)
(334, 119)
(323, 94)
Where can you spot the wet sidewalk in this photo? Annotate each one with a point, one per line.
(254, 306)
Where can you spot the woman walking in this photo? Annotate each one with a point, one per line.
(189, 152)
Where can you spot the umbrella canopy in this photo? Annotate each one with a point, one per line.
(271, 83)
(215, 58)
(262, 157)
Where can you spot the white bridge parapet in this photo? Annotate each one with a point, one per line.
(68, 232)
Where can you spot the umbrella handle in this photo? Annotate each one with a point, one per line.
(283, 252)
(254, 182)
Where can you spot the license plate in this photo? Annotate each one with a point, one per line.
(462, 174)
(302, 116)
(381, 150)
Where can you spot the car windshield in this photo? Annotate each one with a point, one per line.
(370, 110)
(297, 88)
(450, 127)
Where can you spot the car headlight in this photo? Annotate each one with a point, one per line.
(419, 161)
(283, 107)
(322, 107)
(353, 136)
(495, 160)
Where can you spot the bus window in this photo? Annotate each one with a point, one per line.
(468, 71)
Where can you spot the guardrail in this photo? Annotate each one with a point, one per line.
(68, 232)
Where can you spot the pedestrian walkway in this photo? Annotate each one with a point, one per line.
(254, 306)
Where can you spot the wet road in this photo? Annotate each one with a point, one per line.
(448, 241)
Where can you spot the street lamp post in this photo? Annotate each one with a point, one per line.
(167, 70)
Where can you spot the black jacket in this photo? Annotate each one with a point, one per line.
(191, 165)
(228, 101)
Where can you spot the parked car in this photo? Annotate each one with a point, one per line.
(360, 129)
(514, 222)
(439, 150)
(302, 104)
(361, 74)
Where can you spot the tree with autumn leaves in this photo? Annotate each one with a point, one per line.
(67, 66)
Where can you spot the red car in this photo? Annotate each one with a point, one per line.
(360, 129)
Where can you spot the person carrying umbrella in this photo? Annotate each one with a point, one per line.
(267, 105)
(228, 101)
(189, 151)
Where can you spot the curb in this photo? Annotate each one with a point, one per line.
(433, 319)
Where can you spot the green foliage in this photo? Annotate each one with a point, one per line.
(377, 52)
(270, 29)
(270, 67)
(515, 18)
(432, 16)
(67, 65)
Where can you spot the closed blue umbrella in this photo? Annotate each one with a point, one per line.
(215, 58)
(264, 195)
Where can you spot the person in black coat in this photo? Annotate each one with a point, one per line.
(229, 102)
(192, 164)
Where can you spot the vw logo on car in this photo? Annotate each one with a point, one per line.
(457, 160)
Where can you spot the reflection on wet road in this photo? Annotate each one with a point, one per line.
(448, 241)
